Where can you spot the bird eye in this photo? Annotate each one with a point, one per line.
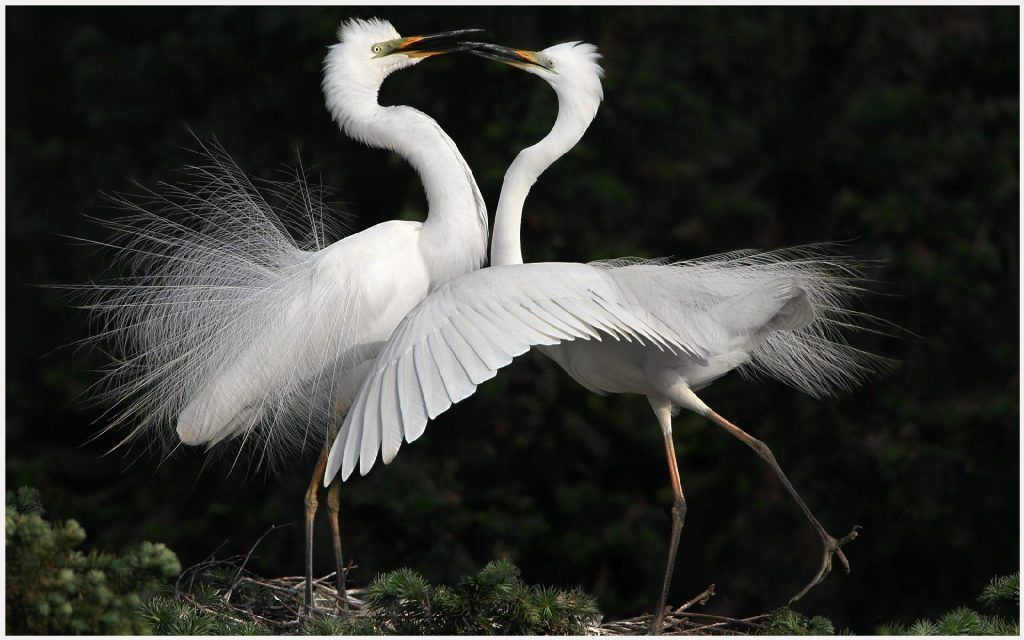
(377, 48)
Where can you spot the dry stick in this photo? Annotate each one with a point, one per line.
(679, 621)
(284, 586)
(209, 559)
(690, 614)
(198, 605)
(227, 596)
(719, 624)
(701, 599)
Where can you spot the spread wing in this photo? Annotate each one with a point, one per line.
(470, 327)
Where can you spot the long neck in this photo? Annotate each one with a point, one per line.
(454, 235)
(570, 125)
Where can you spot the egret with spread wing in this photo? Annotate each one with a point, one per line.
(657, 329)
(229, 328)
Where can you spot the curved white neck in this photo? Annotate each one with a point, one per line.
(570, 125)
(454, 235)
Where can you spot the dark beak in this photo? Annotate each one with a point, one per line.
(514, 57)
(435, 43)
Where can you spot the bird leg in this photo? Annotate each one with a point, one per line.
(664, 413)
(832, 547)
(311, 505)
(333, 508)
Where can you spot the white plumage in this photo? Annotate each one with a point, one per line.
(627, 326)
(775, 313)
(663, 330)
(228, 326)
(471, 327)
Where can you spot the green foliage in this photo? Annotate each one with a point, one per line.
(54, 588)
(358, 625)
(967, 622)
(959, 622)
(1001, 591)
(170, 616)
(494, 601)
(786, 622)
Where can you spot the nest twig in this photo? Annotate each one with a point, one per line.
(279, 603)
(683, 622)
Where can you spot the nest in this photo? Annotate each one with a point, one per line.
(279, 604)
(683, 622)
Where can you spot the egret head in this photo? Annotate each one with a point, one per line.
(571, 68)
(368, 51)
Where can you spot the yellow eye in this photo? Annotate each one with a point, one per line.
(377, 48)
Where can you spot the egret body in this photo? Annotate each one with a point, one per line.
(771, 312)
(230, 328)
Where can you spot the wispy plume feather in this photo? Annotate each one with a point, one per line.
(815, 358)
(210, 305)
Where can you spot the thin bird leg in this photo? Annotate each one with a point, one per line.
(311, 505)
(333, 508)
(663, 410)
(831, 545)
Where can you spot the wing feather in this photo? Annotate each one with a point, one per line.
(541, 333)
(434, 396)
(352, 438)
(390, 413)
(582, 310)
(410, 398)
(575, 326)
(456, 383)
(503, 343)
(372, 434)
(491, 358)
(558, 328)
(471, 327)
(475, 368)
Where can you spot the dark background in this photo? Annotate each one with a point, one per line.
(721, 129)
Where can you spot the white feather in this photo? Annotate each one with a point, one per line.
(228, 326)
(675, 327)
(432, 366)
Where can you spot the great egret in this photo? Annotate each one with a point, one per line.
(774, 313)
(230, 328)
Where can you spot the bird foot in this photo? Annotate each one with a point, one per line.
(658, 624)
(833, 547)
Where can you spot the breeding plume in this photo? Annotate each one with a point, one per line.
(229, 327)
(663, 330)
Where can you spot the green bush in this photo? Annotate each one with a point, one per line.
(962, 621)
(54, 588)
(168, 616)
(786, 622)
(1003, 590)
(494, 601)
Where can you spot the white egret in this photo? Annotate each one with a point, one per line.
(774, 313)
(229, 328)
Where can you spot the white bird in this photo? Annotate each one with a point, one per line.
(774, 313)
(228, 327)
